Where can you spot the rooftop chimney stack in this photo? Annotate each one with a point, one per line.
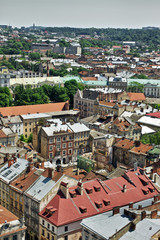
(64, 189)
(80, 188)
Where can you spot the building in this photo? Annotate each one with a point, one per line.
(35, 82)
(19, 186)
(7, 136)
(152, 90)
(81, 137)
(61, 141)
(11, 227)
(57, 142)
(14, 122)
(31, 120)
(121, 151)
(109, 108)
(84, 101)
(62, 216)
(127, 225)
(117, 83)
(32, 109)
(125, 128)
(11, 170)
(139, 153)
(4, 77)
(37, 196)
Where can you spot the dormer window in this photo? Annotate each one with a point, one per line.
(89, 190)
(106, 202)
(97, 188)
(98, 204)
(83, 209)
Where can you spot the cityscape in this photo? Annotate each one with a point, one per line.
(79, 126)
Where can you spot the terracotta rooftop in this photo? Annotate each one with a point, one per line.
(68, 210)
(136, 96)
(26, 180)
(6, 215)
(155, 114)
(125, 143)
(142, 149)
(110, 104)
(2, 134)
(89, 78)
(40, 108)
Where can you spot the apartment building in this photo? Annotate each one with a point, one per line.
(7, 136)
(14, 122)
(60, 141)
(11, 227)
(62, 216)
(4, 77)
(31, 120)
(57, 142)
(10, 170)
(37, 196)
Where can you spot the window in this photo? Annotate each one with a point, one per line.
(42, 222)
(30, 129)
(65, 237)
(70, 151)
(64, 152)
(48, 236)
(70, 137)
(52, 229)
(64, 145)
(66, 228)
(25, 129)
(51, 140)
(64, 138)
(58, 139)
(25, 135)
(42, 232)
(14, 237)
(50, 155)
(25, 124)
(50, 148)
(52, 237)
(48, 226)
(70, 144)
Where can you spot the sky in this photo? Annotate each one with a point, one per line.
(82, 13)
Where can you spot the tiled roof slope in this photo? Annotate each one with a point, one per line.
(40, 108)
(155, 114)
(6, 215)
(125, 143)
(136, 96)
(68, 210)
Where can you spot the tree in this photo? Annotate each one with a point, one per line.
(135, 87)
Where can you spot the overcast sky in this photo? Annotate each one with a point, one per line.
(82, 13)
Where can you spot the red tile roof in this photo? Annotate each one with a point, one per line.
(136, 96)
(155, 114)
(40, 108)
(70, 210)
(125, 143)
(6, 215)
(2, 134)
(25, 181)
(142, 149)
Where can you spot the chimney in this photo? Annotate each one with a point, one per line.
(137, 143)
(124, 188)
(50, 173)
(143, 215)
(133, 226)
(64, 189)
(154, 214)
(131, 205)
(26, 155)
(80, 188)
(142, 171)
(10, 162)
(42, 165)
(115, 210)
